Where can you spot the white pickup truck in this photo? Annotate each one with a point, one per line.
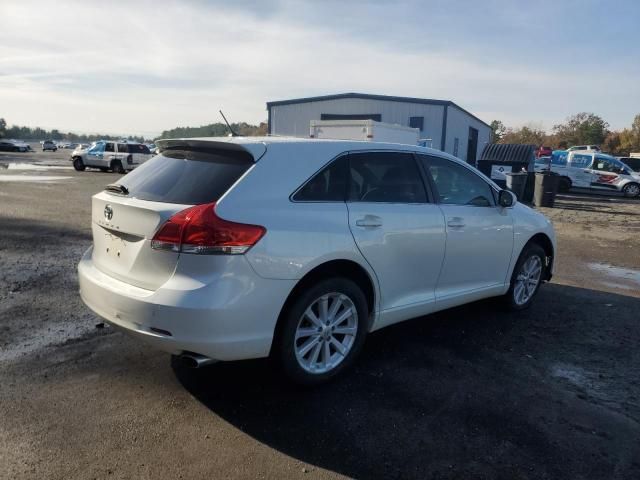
(118, 157)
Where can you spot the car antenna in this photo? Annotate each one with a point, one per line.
(233, 134)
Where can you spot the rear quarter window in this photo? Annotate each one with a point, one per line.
(328, 185)
(137, 148)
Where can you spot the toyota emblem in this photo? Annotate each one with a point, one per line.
(108, 212)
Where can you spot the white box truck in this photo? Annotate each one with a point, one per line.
(365, 130)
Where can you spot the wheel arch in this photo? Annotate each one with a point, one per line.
(566, 180)
(333, 268)
(545, 242)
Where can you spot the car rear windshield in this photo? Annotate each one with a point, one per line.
(186, 176)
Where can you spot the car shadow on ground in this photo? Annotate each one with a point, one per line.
(29, 232)
(472, 391)
(596, 203)
(589, 207)
(600, 196)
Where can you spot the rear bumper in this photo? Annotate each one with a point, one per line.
(231, 316)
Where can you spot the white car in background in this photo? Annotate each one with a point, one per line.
(238, 248)
(583, 147)
(118, 157)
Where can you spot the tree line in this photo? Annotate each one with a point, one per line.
(580, 129)
(212, 130)
(36, 133)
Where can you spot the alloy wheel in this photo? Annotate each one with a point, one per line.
(632, 190)
(326, 332)
(527, 280)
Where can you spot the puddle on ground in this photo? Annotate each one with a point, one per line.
(574, 375)
(618, 285)
(618, 273)
(32, 178)
(36, 167)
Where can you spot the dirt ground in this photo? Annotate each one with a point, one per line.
(472, 392)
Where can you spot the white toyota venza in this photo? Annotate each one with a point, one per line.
(224, 249)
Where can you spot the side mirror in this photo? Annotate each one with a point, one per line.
(506, 199)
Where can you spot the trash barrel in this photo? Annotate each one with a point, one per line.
(516, 181)
(529, 188)
(546, 189)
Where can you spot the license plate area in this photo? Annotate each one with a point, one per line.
(119, 247)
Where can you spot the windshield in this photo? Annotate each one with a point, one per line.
(97, 147)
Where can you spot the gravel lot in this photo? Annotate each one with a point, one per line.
(472, 392)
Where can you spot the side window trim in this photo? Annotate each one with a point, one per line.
(429, 185)
(425, 177)
(435, 188)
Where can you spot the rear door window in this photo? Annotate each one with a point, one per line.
(386, 177)
(186, 176)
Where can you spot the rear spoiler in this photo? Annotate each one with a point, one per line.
(219, 145)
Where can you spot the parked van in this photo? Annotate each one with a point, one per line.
(594, 170)
(118, 157)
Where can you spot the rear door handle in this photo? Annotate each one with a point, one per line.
(455, 222)
(369, 221)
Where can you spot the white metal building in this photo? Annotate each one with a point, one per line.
(449, 127)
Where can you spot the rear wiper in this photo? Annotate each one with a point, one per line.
(117, 188)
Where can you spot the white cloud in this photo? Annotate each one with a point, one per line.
(146, 67)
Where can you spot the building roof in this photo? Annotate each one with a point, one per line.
(508, 152)
(367, 96)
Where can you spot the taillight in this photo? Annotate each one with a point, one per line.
(199, 230)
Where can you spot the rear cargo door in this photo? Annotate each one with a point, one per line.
(126, 216)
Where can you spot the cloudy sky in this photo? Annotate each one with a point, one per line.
(143, 67)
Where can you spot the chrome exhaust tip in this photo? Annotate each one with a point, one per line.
(195, 360)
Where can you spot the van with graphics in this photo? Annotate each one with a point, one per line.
(595, 171)
(119, 157)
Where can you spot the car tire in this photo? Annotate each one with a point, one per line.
(328, 353)
(564, 184)
(631, 190)
(116, 166)
(522, 290)
(78, 164)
